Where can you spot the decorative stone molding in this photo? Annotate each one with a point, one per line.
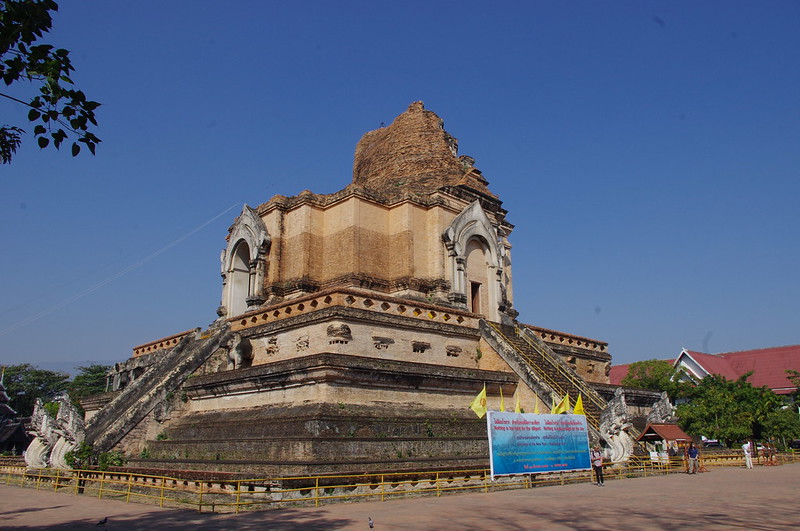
(272, 346)
(301, 343)
(453, 352)
(164, 343)
(570, 340)
(351, 298)
(472, 224)
(420, 346)
(382, 343)
(244, 264)
(339, 334)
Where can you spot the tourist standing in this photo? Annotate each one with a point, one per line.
(596, 457)
(692, 455)
(748, 459)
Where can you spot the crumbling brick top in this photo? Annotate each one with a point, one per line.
(413, 154)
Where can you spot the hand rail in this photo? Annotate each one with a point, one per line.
(247, 494)
(542, 373)
(590, 393)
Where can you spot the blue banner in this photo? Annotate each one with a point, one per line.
(527, 443)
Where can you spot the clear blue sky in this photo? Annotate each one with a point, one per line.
(647, 152)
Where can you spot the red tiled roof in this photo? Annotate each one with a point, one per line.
(714, 365)
(768, 365)
(617, 373)
(666, 432)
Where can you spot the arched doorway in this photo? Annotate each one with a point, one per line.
(477, 278)
(239, 279)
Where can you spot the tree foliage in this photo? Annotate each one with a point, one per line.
(655, 375)
(90, 380)
(734, 410)
(25, 383)
(59, 111)
(794, 377)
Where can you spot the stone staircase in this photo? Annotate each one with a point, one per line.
(542, 369)
(135, 401)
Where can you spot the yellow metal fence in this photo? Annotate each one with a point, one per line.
(251, 494)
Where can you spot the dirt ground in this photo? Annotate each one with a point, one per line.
(724, 498)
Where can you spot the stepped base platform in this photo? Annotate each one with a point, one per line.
(321, 439)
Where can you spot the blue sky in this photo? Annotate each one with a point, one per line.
(647, 152)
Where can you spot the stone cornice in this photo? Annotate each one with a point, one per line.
(437, 198)
(353, 371)
(165, 343)
(554, 337)
(366, 304)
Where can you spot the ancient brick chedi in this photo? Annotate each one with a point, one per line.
(354, 329)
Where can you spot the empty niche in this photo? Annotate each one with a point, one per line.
(420, 346)
(382, 343)
(453, 351)
(272, 345)
(339, 334)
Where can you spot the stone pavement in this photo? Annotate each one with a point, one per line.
(724, 498)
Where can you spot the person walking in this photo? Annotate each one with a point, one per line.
(748, 459)
(691, 453)
(596, 458)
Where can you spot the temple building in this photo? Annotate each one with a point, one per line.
(13, 439)
(354, 330)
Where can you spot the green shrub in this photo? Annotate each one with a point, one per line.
(109, 459)
(81, 457)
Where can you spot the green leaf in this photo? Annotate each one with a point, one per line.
(43, 141)
(75, 149)
(33, 115)
(39, 130)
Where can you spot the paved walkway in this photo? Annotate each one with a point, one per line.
(725, 498)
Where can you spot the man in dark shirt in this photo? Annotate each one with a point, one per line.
(692, 453)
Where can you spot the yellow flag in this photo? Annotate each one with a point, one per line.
(562, 407)
(579, 406)
(536, 405)
(502, 400)
(517, 409)
(478, 404)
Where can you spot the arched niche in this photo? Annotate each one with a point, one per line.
(244, 264)
(476, 257)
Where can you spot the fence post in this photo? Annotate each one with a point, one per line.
(382, 489)
(130, 484)
(200, 499)
(438, 492)
(161, 499)
(238, 495)
(58, 477)
(316, 492)
(102, 478)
